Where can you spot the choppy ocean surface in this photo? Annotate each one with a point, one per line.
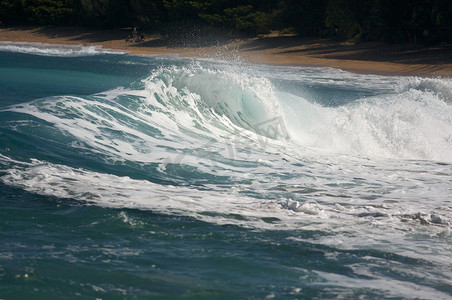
(127, 177)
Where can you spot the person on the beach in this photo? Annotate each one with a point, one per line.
(135, 33)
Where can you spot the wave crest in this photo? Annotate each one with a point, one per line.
(442, 87)
(218, 97)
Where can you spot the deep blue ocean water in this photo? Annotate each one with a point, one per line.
(126, 177)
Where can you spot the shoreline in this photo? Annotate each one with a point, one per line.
(363, 58)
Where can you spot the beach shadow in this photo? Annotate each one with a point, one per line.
(176, 39)
(365, 51)
(190, 39)
(403, 54)
(279, 42)
(91, 35)
(169, 42)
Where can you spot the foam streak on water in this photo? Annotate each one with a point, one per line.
(350, 162)
(54, 50)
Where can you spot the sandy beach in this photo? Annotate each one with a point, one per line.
(368, 58)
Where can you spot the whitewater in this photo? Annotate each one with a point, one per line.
(166, 177)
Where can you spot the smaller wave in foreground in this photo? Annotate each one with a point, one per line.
(45, 49)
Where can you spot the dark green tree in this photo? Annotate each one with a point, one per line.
(306, 17)
(352, 19)
(425, 21)
(11, 11)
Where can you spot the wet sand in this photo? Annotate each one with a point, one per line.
(367, 58)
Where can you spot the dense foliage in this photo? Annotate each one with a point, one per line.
(392, 20)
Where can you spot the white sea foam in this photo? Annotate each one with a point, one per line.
(397, 125)
(45, 49)
(440, 87)
(394, 288)
(343, 209)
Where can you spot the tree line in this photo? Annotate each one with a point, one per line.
(355, 20)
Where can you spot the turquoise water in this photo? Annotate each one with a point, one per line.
(128, 177)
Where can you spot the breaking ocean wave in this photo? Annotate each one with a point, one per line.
(326, 157)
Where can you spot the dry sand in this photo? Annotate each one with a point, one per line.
(369, 58)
